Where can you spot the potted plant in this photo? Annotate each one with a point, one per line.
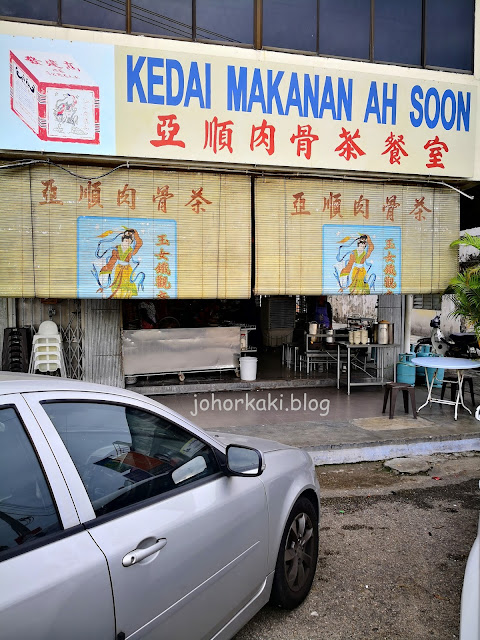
(464, 288)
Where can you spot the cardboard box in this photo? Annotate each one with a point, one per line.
(54, 97)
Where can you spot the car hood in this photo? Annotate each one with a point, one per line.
(261, 444)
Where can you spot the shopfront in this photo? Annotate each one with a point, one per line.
(168, 185)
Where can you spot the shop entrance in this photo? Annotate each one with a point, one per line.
(292, 337)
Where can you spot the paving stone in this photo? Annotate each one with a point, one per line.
(409, 465)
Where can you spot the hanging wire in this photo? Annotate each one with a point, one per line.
(127, 164)
(26, 163)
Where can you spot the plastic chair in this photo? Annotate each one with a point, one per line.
(47, 363)
(47, 328)
(453, 382)
(392, 389)
(47, 353)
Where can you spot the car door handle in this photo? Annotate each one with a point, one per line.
(140, 554)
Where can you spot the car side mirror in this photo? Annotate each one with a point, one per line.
(244, 461)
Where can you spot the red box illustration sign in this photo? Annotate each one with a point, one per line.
(54, 97)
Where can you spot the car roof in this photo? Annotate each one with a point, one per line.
(11, 382)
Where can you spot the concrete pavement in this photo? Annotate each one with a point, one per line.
(332, 426)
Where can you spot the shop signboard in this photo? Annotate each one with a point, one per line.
(118, 95)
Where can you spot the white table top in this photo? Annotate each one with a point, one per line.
(445, 363)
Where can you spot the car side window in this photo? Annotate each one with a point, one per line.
(125, 455)
(27, 510)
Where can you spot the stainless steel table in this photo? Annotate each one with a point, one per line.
(322, 355)
(457, 364)
(355, 363)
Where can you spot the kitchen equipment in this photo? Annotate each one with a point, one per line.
(383, 332)
(391, 333)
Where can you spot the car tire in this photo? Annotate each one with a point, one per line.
(297, 556)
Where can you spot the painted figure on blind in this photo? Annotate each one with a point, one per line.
(120, 276)
(354, 269)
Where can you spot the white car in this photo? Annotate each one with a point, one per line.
(470, 606)
(121, 519)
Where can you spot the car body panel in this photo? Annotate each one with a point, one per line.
(58, 590)
(210, 562)
(470, 605)
(283, 490)
(217, 538)
(42, 579)
(240, 542)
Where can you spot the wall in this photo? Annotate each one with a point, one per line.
(344, 307)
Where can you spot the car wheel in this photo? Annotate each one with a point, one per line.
(297, 556)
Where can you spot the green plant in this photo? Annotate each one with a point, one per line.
(464, 288)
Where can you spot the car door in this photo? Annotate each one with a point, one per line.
(186, 545)
(54, 578)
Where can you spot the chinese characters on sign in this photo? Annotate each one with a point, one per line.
(436, 149)
(219, 136)
(419, 209)
(167, 130)
(162, 269)
(332, 204)
(162, 196)
(299, 204)
(49, 193)
(389, 270)
(395, 148)
(126, 196)
(389, 207)
(198, 200)
(91, 193)
(304, 139)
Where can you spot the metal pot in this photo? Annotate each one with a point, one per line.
(383, 332)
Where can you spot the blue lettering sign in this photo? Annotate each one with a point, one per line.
(256, 91)
(442, 108)
(134, 80)
(171, 66)
(273, 91)
(236, 89)
(154, 79)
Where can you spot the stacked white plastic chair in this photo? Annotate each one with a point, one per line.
(47, 353)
